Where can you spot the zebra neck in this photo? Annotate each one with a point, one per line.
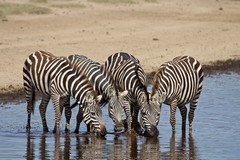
(78, 88)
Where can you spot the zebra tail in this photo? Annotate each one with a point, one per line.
(33, 100)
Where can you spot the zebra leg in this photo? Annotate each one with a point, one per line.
(68, 115)
(65, 104)
(68, 112)
(193, 106)
(56, 104)
(61, 111)
(79, 119)
(136, 124)
(183, 111)
(42, 110)
(29, 111)
(173, 108)
(29, 91)
(127, 110)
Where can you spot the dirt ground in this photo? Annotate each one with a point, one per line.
(154, 32)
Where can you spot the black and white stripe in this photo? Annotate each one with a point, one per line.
(129, 75)
(177, 83)
(103, 85)
(55, 78)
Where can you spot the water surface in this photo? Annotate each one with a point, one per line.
(216, 132)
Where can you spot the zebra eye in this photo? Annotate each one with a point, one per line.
(90, 103)
(144, 113)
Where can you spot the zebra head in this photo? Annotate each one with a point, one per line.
(92, 114)
(149, 116)
(117, 103)
(151, 113)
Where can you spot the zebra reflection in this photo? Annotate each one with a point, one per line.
(126, 148)
(89, 147)
(150, 148)
(182, 149)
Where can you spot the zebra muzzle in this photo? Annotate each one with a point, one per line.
(151, 131)
(118, 127)
(102, 131)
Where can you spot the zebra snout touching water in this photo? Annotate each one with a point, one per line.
(177, 83)
(103, 84)
(56, 79)
(149, 119)
(115, 110)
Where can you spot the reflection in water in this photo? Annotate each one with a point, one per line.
(131, 147)
(64, 153)
(150, 149)
(116, 151)
(42, 147)
(180, 150)
(89, 147)
(123, 147)
(30, 147)
(67, 146)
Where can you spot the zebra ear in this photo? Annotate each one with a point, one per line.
(162, 97)
(89, 97)
(99, 97)
(110, 92)
(124, 93)
(143, 99)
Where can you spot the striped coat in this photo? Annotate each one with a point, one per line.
(177, 83)
(55, 78)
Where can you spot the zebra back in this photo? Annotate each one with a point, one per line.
(117, 59)
(47, 73)
(128, 75)
(95, 72)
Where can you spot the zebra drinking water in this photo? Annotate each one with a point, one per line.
(103, 85)
(177, 83)
(55, 78)
(129, 75)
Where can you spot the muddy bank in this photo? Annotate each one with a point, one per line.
(14, 95)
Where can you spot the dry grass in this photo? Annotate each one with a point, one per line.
(122, 1)
(16, 9)
(68, 5)
(38, 1)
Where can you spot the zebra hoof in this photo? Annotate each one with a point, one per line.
(28, 127)
(67, 130)
(76, 132)
(45, 130)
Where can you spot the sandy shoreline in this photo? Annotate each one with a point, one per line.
(153, 32)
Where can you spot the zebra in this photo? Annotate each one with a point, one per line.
(55, 78)
(177, 83)
(103, 85)
(129, 75)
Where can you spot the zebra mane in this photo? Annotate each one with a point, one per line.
(79, 72)
(110, 78)
(144, 85)
(156, 78)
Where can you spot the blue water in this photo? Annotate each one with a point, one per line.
(216, 132)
